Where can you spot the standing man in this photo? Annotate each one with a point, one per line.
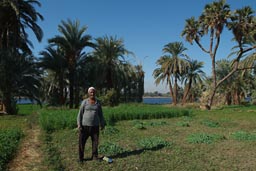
(89, 120)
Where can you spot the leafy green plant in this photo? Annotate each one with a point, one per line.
(153, 143)
(183, 124)
(110, 130)
(53, 155)
(109, 148)
(210, 123)
(244, 136)
(198, 138)
(8, 145)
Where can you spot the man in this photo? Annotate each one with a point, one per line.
(89, 119)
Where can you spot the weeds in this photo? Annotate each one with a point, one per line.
(210, 123)
(152, 143)
(198, 138)
(244, 136)
(10, 139)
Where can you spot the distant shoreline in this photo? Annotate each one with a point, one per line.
(154, 97)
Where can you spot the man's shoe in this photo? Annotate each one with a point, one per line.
(96, 159)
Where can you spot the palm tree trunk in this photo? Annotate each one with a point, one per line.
(7, 101)
(71, 88)
(186, 92)
(171, 90)
(175, 92)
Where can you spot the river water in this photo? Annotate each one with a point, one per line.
(157, 100)
(146, 100)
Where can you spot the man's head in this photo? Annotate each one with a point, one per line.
(91, 92)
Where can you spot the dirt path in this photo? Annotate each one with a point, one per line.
(29, 155)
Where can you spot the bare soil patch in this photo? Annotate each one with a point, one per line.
(29, 154)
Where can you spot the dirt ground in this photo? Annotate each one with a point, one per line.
(28, 157)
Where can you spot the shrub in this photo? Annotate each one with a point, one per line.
(204, 138)
(10, 139)
(109, 148)
(242, 135)
(153, 143)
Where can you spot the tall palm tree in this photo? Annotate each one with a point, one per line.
(162, 73)
(15, 17)
(215, 17)
(19, 77)
(140, 74)
(192, 76)
(176, 64)
(72, 41)
(53, 59)
(111, 54)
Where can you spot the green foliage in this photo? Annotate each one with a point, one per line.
(51, 119)
(244, 136)
(198, 138)
(8, 145)
(110, 130)
(139, 111)
(110, 149)
(183, 124)
(142, 125)
(210, 123)
(139, 125)
(152, 143)
(27, 109)
(110, 99)
(53, 156)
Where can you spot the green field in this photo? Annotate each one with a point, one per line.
(220, 139)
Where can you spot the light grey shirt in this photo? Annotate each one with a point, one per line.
(90, 114)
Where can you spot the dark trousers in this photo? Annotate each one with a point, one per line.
(84, 134)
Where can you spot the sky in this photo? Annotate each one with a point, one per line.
(145, 26)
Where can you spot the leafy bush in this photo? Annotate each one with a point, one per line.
(109, 148)
(204, 138)
(152, 143)
(10, 139)
(110, 99)
(242, 135)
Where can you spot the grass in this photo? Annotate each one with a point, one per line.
(219, 139)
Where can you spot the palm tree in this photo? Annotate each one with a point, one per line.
(215, 17)
(162, 73)
(72, 42)
(173, 64)
(53, 60)
(192, 76)
(140, 74)
(15, 17)
(19, 77)
(110, 53)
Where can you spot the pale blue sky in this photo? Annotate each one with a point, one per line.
(144, 25)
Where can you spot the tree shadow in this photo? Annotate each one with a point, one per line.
(137, 151)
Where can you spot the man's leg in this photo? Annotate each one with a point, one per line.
(83, 136)
(95, 141)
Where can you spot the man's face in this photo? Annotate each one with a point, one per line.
(92, 93)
